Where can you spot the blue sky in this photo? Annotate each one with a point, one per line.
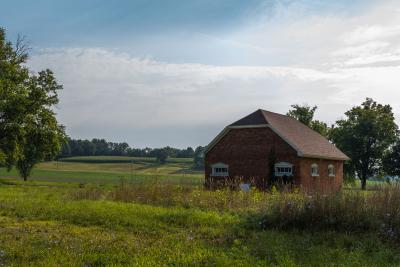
(157, 73)
(174, 30)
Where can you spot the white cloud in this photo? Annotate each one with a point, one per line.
(333, 61)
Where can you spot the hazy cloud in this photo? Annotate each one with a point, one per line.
(295, 56)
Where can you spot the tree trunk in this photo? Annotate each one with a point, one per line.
(363, 183)
(25, 178)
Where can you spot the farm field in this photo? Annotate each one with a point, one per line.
(110, 170)
(87, 218)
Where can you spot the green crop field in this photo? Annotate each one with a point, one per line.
(88, 212)
(110, 170)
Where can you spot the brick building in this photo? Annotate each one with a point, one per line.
(247, 149)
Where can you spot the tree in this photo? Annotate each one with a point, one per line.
(198, 159)
(13, 92)
(29, 131)
(43, 136)
(321, 128)
(305, 114)
(391, 161)
(66, 149)
(185, 153)
(88, 148)
(365, 135)
(161, 155)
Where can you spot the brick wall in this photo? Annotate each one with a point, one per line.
(322, 183)
(246, 152)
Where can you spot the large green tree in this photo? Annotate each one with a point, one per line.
(29, 132)
(305, 114)
(365, 135)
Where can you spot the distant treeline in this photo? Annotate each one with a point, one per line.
(100, 147)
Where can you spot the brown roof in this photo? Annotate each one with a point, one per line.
(306, 141)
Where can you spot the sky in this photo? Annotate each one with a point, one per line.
(157, 73)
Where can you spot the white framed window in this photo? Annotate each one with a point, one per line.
(220, 169)
(283, 169)
(314, 169)
(331, 170)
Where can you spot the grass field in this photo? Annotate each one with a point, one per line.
(80, 214)
(110, 170)
(120, 159)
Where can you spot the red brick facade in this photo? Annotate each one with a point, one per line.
(246, 151)
(323, 182)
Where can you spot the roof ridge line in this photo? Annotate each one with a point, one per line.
(263, 112)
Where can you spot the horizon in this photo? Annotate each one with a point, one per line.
(155, 74)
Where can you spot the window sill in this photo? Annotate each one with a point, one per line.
(220, 175)
(315, 175)
(332, 175)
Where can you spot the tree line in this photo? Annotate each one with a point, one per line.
(101, 147)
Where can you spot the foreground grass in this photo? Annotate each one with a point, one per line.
(47, 226)
(78, 213)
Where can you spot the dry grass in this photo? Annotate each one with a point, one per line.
(347, 211)
(165, 194)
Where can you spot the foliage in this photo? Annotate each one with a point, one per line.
(42, 134)
(305, 114)
(320, 127)
(391, 161)
(365, 135)
(101, 147)
(13, 96)
(29, 132)
(162, 155)
(198, 159)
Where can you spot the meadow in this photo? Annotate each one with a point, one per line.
(100, 212)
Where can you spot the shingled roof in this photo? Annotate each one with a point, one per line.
(304, 140)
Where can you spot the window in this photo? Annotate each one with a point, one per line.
(331, 170)
(219, 169)
(314, 170)
(283, 169)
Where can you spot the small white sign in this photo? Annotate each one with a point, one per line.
(245, 187)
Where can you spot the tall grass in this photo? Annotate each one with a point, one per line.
(168, 194)
(346, 211)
